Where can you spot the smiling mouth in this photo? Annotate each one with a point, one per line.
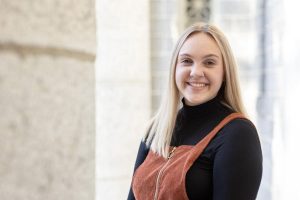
(197, 85)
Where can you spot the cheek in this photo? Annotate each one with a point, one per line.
(181, 73)
(178, 77)
(219, 79)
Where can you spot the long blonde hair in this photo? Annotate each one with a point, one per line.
(161, 126)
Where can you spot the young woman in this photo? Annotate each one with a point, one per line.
(199, 145)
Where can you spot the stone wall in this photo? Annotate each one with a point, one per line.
(47, 92)
(123, 92)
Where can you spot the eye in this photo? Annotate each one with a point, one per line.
(186, 61)
(209, 62)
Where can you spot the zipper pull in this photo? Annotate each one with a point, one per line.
(171, 153)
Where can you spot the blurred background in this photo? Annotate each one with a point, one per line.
(79, 81)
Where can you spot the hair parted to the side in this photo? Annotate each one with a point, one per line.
(161, 126)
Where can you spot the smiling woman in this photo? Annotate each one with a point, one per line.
(199, 145)
(199, 69)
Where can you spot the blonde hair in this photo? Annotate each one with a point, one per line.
(161, 126)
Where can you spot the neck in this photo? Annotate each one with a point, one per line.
(194, 122)
(204, 110)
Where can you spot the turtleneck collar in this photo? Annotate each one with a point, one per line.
(194, 122)
(204, 110)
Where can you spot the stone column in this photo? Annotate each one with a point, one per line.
(47, 123)
(164, 33)
(123, 92)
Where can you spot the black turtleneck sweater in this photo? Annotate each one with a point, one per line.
(230, 168)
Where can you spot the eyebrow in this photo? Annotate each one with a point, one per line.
(206, 56)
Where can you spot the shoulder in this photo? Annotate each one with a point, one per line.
(141, 155)
(237, 161)
(238, 142)
(144, 148)
(240, 125)
(239, 133)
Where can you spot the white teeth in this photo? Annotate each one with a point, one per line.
(199, 85)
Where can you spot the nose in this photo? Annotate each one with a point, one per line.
(197, 70)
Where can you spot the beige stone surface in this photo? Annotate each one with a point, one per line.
(47, 100)
(123, 41)
(123, 113)
(113, 189)
(47, 128)
(123, 56)
(123, 92)
(69, 24)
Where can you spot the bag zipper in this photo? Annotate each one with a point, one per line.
(161, 171)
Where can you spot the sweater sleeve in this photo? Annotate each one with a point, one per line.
(142, 154)
(237, 169)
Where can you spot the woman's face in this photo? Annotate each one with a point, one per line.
(199, 69)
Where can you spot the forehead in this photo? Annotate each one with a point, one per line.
(198, 44)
